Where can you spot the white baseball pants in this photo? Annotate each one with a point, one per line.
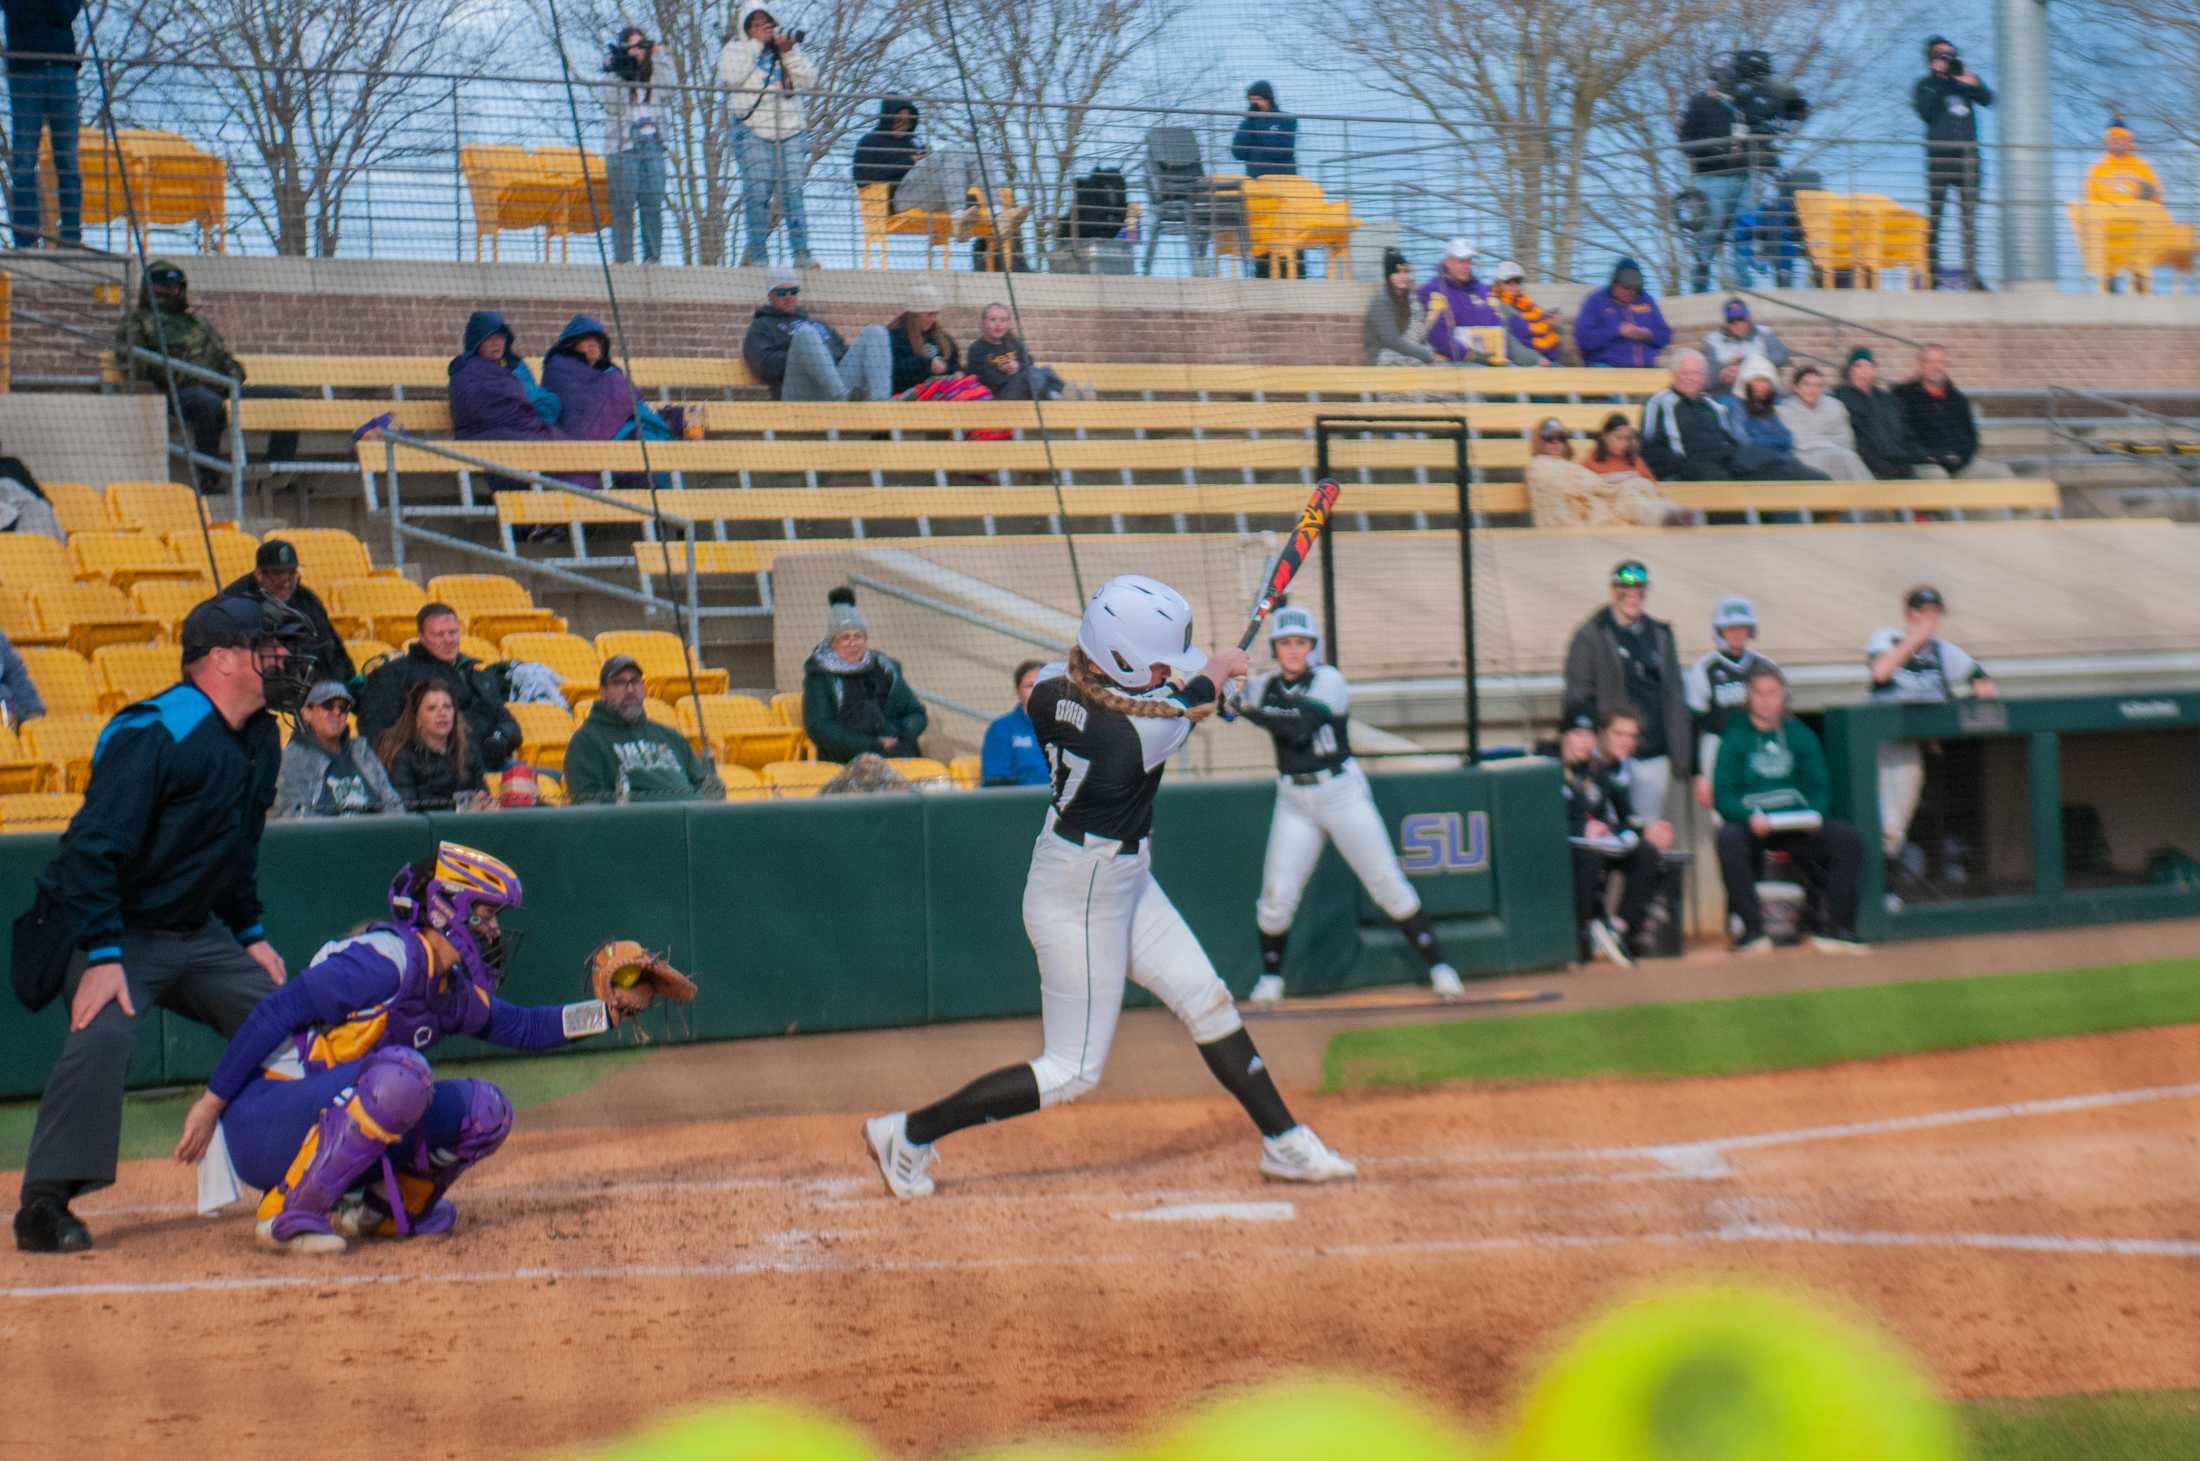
(1341, 809)
(1901, 784)
(1097, 918)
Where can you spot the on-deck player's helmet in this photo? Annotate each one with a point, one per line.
(1734, 610)
(449, 893)
(1293, 622)
(1134, 623)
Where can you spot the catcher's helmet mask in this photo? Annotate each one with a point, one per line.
(463, 895)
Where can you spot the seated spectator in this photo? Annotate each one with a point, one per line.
(432, 761)
(435, 658)
(2122, 175)
(1460, 323)
(1266, 140)
(801, 359)
(327, 771)
(1741, 337)
(1763, 432)
(1880, 424)
(164, 324)
(274, 576)
(1011, 754)
(1394, 332)
(1914, 665)
(24, 507)
(1771, 766)
(1564, 494)
(494, 396)
(1825, 438)
(620, 755)
(1940, 423)
(1615, 453)
(887, 152)
(1003, 366)
(1718, 684)
(1620, 325)
(596, 402)
(1528, 321)
(1609, 839)
(854, 699)
(867, 775)
(19, 700)
(1689, 437)
(922, 348)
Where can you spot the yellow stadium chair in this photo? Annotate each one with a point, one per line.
(20, 622)
(127, 559)
(30, 559)
(381, 608)
(20, 770)
(544, 731)
(660, 711)
(481, 649)
(234, 551)
(64, 680)
(170, 600)
(570, 657)
(492, 606)
(664, 666)
(787, 710)
(64, 742)
(798, 778)
(327, 555)
(93, 614)
(741, 728)
(742, 784)
(38, 811)
(364, 652)
(79, 509)
(923, 771)
(133, 672)
(157, 507)
(967, 772)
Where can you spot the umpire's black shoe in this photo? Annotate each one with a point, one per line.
(47, 1226)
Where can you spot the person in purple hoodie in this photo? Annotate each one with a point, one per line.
(596, 400)
(1454, 300)
(1619, 325)
(493, 394)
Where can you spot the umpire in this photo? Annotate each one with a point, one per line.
(157, 879)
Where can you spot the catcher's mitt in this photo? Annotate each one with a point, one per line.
(629, 979)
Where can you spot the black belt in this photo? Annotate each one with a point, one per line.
(1313, 778)
(1129, 847)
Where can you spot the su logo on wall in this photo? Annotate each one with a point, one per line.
(1444, 842)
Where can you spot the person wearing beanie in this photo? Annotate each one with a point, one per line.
(620, 755)
(1393, 330)
(768, 75)
(2123, 180)
(1768, 447)
(1528, 322)
(1267, 140)
(1717, 685)
(803, 359)
(1882, 431)
(165, 324)
(1739, 337)
(1620, 325)
(922, 347)
(1947, 99)
(887, 152)
(854, 698)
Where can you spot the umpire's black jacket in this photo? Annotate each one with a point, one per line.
(169, 834)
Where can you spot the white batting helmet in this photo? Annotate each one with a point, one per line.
(1734, 611)
(1135, 623)
(1293, 622)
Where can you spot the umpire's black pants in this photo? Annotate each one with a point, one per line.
(1831, 858)
(205, 976)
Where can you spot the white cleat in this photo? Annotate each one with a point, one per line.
(309, 1241)
(1299, 1156)
(1268, 989)
(1604, 940)
(1445, 981)
(903, 1163)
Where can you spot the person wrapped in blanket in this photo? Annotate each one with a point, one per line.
(324, 1099)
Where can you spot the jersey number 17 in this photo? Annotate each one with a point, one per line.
(1070, 770)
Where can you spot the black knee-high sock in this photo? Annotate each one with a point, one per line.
(1245, 1075)
(1271, 952)
(1422, 937)
(1010, 1091)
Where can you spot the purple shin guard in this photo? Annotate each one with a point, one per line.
(387, 1101)
(485, 1119)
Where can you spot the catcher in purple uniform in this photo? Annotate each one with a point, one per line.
(324, 1100)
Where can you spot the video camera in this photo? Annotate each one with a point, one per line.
(1768, 106)
(625, 67)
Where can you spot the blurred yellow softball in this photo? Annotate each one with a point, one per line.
(743, 1430)
(1720, 1372)
(1314, 1419)
(1064, 1451)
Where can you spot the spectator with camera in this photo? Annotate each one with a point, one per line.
(1266, 140)
(767, 73)
(803, 359)
(1947, 99)
(1620, 325)
(1726, 134)
(327, 771)
(634, 150)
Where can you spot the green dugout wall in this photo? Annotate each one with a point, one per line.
(858, 912)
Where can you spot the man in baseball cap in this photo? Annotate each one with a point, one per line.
(1914, 664)
(274, 576)
(1620, 656)
(620, 755)
(1738, 338)
(277, 636)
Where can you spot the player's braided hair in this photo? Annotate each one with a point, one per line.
(1092, 687)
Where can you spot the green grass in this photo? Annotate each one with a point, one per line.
(2158, 1425)
(1718, 1037)
(150, 1122)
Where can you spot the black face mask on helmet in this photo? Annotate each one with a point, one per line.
(283, 655)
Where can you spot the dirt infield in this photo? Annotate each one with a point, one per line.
(2023, 1215)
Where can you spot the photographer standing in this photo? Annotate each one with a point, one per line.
(1947, 98)
(1714, 138)
(767, 74)
(631, 142)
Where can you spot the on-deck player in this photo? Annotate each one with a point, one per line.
(1321, 794)
(1109, 720)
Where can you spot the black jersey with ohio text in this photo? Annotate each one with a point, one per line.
(1308, 718)
(1717, 686)
(1106, 765)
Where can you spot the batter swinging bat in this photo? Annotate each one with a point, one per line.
(1312, 520)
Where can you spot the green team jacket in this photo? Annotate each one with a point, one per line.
(1779, 770)
(610, 760)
